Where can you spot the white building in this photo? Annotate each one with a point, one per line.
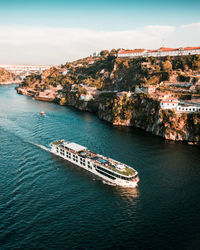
(132, 53)
(163, 51)
(169, 104)
(184, 106)
(188, 108)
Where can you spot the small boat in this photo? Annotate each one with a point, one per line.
(42, 113)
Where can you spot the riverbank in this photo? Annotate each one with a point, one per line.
(137, 111)
(10, 82)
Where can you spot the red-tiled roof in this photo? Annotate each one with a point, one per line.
(132, 51)
(162, 49)
(191, 48)
(152, 50)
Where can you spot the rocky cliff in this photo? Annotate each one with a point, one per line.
(145, 113)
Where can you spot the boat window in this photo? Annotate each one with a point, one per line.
(107, 175)
(107, 171)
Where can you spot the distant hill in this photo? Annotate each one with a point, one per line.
(5, 76)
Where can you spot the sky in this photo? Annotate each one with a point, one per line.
(54, 32)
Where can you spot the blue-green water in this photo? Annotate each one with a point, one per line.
(48, 203)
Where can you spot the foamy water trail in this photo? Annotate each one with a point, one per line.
(40, 146)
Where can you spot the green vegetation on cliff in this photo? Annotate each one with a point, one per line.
(111, 73)
(107, 75)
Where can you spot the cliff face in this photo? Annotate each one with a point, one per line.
(167, 123)
(147, 115)
(108, 75)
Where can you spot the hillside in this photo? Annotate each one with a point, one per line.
(118, 90)
(5, 76)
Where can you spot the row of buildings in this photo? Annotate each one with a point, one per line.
(163, 51)
(180, 106)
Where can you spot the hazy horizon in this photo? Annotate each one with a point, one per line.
(54, 32)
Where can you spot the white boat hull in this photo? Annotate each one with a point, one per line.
(92, 169)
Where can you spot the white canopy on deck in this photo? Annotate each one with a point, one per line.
(74, 146)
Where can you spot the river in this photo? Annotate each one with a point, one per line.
(48, 203)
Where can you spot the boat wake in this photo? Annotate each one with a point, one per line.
(40, 146)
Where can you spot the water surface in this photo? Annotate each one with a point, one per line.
(48, 203)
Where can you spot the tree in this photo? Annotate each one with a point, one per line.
(128, 114)
(166, 66)
(104, 53)
(165, 76)
(113, 52)
(196, 62)
(83, 91)
(63, 101)
(157, 68)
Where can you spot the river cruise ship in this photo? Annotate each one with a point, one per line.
(110, 170)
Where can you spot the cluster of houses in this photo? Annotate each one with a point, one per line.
(168, 101)
(163, 51)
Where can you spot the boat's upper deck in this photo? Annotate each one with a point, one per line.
(100, 160)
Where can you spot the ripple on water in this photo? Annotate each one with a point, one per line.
(48, 203)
